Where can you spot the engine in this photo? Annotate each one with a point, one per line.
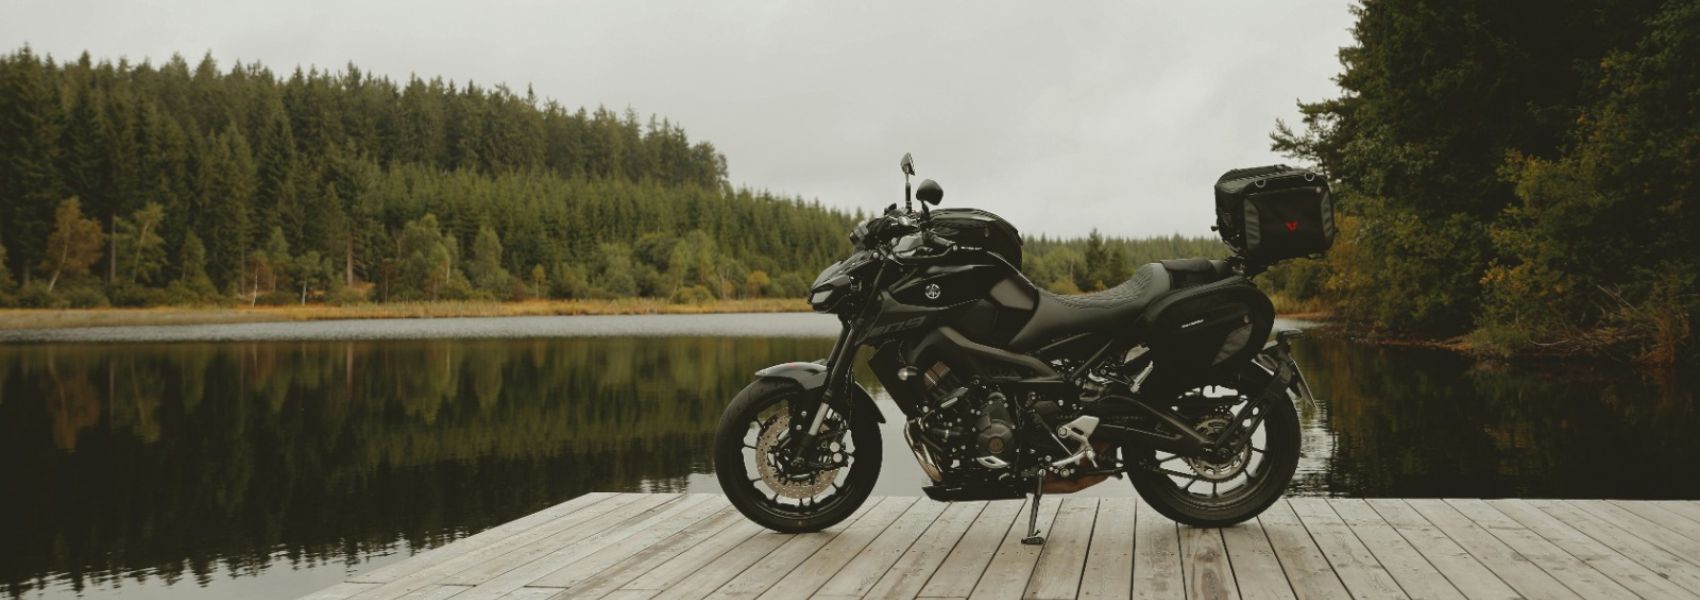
(968, 437)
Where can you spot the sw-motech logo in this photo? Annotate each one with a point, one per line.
(1191, 324)
(1292, 225)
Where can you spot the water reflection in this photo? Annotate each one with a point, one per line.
(1416, 422)
(182, 461)
(165, 467)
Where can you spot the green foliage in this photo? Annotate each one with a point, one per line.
(1527, 175)
(73, 246)
(192, 285)
(1097, 262)
(141, 245)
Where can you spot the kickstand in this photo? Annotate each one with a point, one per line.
(1033, 538)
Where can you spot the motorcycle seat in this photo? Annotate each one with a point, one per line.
(1060, 315)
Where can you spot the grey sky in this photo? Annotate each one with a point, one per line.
(1059, 116)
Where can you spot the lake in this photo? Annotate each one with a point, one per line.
(269, 460)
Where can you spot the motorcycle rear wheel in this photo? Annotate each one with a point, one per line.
(1188, 491)
(755, 428)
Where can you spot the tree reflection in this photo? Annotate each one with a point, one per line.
(1415, 422)
(182, 460)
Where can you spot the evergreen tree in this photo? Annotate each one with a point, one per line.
(486, 270)
(29, 183)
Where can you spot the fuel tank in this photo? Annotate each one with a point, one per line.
(983, 298)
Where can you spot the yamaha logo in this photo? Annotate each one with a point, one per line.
(933, 291)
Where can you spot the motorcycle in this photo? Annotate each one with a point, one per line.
(1176, 379)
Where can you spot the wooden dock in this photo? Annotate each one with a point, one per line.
(689, 546)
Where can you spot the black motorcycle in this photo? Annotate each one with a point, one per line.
(1173, 379)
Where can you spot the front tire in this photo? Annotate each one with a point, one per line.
(750, 446)
(1188, 491)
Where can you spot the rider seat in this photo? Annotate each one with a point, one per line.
(1058, 315)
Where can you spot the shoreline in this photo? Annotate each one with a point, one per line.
(74, 318)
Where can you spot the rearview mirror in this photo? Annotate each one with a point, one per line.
(929, 192)
(908, 164)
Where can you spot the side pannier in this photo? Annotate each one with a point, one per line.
(1269, 214)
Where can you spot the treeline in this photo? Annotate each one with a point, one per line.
(135, 184)
(138, 184)
(1073, 265)
(1524, 173)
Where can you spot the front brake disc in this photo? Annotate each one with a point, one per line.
(789, 485)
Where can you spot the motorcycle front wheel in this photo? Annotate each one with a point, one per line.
(1220, 493)
(756, 451)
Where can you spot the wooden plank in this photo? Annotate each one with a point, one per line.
(1156, 555)
(1630, 574)
(959, 572)
(656, 555)
(1257, 571)
(865, 569)
(419, 562)
(905, 579)
(346, 589)
(1307, 569)
(1688, 510)
(1681, 570)
(1204, 561)
(628, 595)
(645, 507)
(1063, 559)
(1648, 530)
(1006, 576)
(743, 537)
(699, 572)
(1512, 567)
(435, 592)
(1462, 570)
(1355, 564)
(1555, 560)
(571, 524)
(808, 576)
(1407, 566)
(1109, 561)
(600, 560)
(1567, 569)
(517, 576)
(1657, 514)
(695, 580)
(530, 594)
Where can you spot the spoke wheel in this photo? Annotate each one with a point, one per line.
(762, 465)
(1222, 490)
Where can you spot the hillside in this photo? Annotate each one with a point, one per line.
(141, 184)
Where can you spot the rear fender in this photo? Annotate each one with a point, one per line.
(811, 376)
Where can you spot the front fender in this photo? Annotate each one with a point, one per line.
(811, 376)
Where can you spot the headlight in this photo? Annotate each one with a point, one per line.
(821, 296)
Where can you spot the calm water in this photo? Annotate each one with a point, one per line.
(256, 469)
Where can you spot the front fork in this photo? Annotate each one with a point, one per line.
(838, 369)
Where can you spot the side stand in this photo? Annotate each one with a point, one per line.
(1033, 538)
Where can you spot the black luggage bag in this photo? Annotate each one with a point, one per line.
(1273, 213)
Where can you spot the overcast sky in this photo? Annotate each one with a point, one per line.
(1059, 116)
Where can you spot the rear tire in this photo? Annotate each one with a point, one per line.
(1280, 459)
(739, 476)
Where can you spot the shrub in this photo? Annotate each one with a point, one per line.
(692, 294)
